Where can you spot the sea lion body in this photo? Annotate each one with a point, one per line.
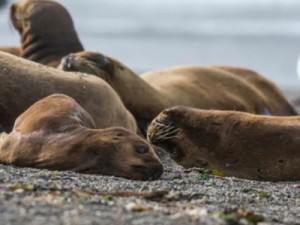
(200, 87)
(12, 50)
(236, 143)
(23, 82)
(57, 133)
(46, 29)
(271, 92)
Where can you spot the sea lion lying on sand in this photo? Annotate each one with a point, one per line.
(236, 143)
(200, 87)
(57, 133)
(46, 29)
(267, 87)
(23, 82)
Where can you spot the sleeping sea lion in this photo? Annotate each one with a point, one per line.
(46, 29)
(23, 82)
(267, 87)
(200, 87)
(238, 144)
(57, 133)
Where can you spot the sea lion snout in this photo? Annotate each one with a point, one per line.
(87, 62)
(15, 16)
(157, 171)
(166, 124)
(21, 12)
(67, 63)
(164, 131)
(133, 156)
(152, 171)
(160, 130)
(146, 164)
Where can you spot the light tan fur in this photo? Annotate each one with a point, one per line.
(23, 82)
(12, 50)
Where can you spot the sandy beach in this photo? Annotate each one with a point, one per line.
(31, 196)
(261, 35)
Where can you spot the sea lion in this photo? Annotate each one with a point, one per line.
(267, 87)
(12, 50)
(238, 144)
(200, 87)
(46, 29)
(23, 82)
(57, 133)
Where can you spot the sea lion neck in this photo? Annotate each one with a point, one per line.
(42, 50)
(47, 31)
(139, 97)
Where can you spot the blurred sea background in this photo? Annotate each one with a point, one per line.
(263, 35)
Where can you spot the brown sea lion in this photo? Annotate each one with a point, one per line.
(23, 82)
(200, 87)
(46, 29)
(267, 87)
(57, 133)
(12, 50)
(238, 144)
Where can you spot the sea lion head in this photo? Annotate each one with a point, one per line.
(177, 129)
(119, 152)
(94, 63)
(46, 27)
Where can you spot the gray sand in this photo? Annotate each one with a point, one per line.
(31, 196)
(35, 197)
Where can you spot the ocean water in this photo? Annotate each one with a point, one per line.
(263, 35)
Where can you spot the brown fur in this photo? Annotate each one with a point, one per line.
(272, 93)
(237, 143)
(23, 82)
(200, 87)
(56, 133)
(12, 50)
(46, 29)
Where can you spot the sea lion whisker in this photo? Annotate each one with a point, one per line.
(165, 127)
(247, 146)
(169, 131)
(162, 134)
